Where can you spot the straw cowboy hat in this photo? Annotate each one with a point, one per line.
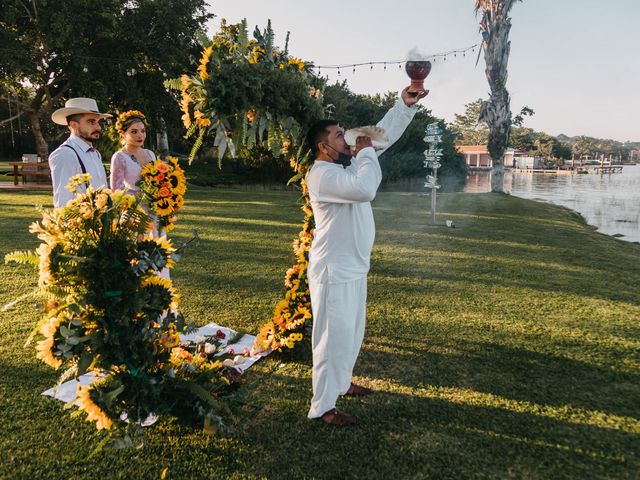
(77, 105)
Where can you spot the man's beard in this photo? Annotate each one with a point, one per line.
(91, 139)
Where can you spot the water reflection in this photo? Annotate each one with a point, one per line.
(611, 202)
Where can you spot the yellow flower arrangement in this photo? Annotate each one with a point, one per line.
(163, 184)
(294, 311)
(204, 61)
(110, 313)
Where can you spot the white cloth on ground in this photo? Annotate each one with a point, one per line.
(66, 391)
(339, 261)
(64, 164)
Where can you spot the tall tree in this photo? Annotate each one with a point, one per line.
(495, 25)
(108, 50)
(468, 127)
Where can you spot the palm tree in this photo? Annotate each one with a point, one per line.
(495, 24)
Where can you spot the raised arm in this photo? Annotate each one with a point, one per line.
(338, 185)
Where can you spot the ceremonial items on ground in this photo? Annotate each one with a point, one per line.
(417, 71)
(433, 136)
(163, 185)
(379, 138)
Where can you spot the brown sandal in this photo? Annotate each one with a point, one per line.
(358, 391)
(335, 417)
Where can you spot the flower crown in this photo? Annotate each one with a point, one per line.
(126, 116)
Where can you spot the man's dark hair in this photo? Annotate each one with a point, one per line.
(318, 133)
(75, 117)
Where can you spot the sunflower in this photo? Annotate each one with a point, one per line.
(45, 347)
(266, 339)
(94, 412)
(164, 207)
(155, 281)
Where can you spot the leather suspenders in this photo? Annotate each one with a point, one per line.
(84, 170)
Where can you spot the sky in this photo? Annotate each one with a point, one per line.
(575, 62)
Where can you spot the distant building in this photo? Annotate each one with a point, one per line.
(478, 158)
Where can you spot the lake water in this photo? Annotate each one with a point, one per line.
(610, 202)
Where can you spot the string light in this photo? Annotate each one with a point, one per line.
(400, 63)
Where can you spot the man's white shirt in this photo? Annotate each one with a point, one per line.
(340, 198)
(64, 164)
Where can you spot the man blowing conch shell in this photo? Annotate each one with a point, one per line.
(341, 184)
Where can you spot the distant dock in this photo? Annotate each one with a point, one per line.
(572, 170)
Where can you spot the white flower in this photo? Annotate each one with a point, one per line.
(209, 348)
(239, 359)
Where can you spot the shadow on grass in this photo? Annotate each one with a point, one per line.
(408, 436)
(514, 374)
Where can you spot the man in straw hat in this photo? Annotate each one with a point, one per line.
(342, 182)
(77, 154)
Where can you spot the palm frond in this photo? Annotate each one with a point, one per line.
(25, 257)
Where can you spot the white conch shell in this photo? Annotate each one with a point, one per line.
(379, 137)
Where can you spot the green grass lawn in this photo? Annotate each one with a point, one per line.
(504, 348)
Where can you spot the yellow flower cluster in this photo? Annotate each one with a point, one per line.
(123, 117)
(45, 347)
(294, 310)
(164, 184)
(296, 62)
(201, 120)
(204, 62)
(256, 54)
(94, 412)
(186, 100)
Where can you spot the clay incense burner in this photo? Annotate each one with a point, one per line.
(417, 71)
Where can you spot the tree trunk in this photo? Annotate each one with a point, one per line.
(495, 26)
(162, 141)
(497, 175)
(42, 147)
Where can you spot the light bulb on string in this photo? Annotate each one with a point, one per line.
(371, 65)
(354, 69)
(338, 72)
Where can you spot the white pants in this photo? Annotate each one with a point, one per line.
(339, 311)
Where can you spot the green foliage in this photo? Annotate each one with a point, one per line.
(244, 88)
(55, 50)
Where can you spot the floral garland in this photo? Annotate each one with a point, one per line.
(293, 312)
(109, 312)
(246, 92)
(163, 185)
(123, 117)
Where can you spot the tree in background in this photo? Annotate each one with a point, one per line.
(468, 127)
(116, 52)
(583, 147)
(495, 25)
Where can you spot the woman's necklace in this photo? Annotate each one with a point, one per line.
(133, 157)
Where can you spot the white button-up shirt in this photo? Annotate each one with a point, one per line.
(340, 199)
(64, 164)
